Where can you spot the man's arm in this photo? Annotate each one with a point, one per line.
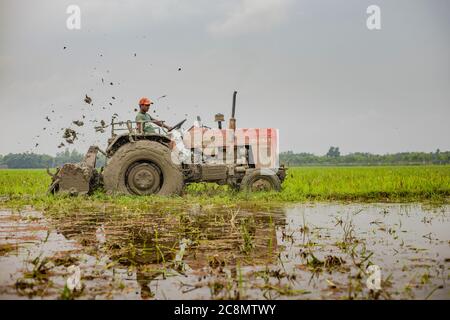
(160, 123)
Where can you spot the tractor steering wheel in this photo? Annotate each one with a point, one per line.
(178, 125)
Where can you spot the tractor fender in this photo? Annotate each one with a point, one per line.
(117, 141)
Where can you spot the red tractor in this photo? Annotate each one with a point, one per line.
(162, 163)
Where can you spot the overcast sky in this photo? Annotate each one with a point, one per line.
(310, 68)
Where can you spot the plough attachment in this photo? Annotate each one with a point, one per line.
(77, 178)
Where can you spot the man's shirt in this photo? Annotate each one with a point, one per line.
(147, 126)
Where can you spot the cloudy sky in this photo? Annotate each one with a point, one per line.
(309, 67)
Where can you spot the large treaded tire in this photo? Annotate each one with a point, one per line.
(115, 172)
(253, 175)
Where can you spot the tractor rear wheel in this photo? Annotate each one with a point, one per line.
(255, 180)
(142, 168)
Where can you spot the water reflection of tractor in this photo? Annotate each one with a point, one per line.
(164, 161)
(152, 242)
(155, 238)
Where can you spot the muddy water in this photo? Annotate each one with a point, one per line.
(308, 251)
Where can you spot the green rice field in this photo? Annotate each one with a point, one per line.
(386, 184)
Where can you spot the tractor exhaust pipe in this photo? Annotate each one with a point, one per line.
(232, 124)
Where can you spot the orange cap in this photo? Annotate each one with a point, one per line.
(145, 101)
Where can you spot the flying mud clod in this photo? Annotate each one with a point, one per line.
(69, 135)
(88, 99)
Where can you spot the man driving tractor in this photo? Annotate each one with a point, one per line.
(144, 121)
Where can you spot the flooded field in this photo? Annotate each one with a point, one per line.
(304, 251)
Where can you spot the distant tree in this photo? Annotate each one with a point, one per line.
(67, 157)
(333, 152)
(333, 157)
(27, 160)
(437, 156)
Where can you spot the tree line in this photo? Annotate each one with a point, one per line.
(334, 157)
(29, 160)
(289, 158)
